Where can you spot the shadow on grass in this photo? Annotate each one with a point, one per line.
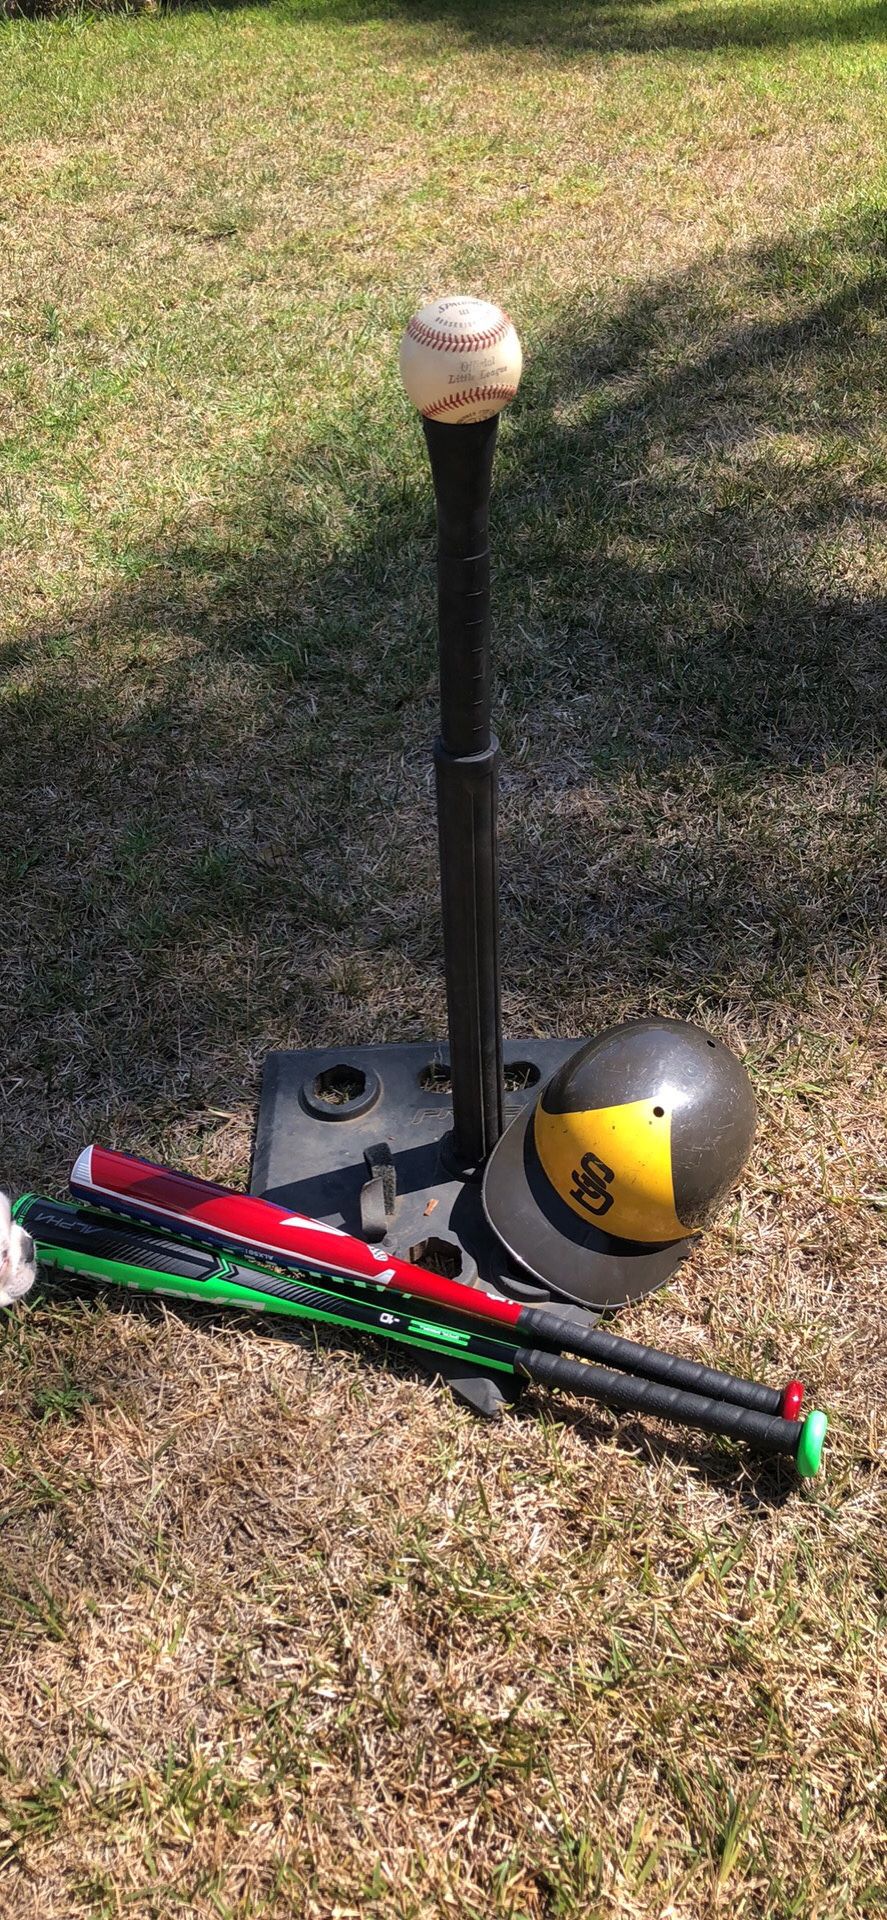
(609, 26)
(223, 819)
(762, 1483)
(599, 26)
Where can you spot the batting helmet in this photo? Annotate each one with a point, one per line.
(628, 1152)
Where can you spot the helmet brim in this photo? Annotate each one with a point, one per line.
(572, 1257)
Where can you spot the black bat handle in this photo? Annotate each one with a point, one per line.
(650, 1362)
(760, 1430)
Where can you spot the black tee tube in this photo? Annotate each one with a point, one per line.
(466, 758)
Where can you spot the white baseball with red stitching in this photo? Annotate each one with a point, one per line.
(460, 359)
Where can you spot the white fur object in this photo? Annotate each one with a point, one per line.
(18, 1268)
(460, 359)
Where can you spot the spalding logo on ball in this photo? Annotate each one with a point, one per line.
(460, 360)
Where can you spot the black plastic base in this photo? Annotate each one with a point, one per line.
(321, 1111)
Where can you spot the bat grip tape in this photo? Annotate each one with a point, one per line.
(763, 1431)
(650, 1362)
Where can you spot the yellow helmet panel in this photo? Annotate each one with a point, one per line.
(612, 1166)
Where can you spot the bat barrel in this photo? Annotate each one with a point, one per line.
(466, 757)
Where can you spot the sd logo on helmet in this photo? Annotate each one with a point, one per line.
(628, 1152)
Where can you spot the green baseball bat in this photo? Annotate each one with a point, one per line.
(96, 1248)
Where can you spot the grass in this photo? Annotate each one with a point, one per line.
(284, 1632)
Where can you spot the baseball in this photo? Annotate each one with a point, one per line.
(460, 359)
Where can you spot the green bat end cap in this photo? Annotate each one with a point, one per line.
(809, 1455)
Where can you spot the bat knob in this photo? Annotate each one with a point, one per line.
(809, 1454)
(791, 1400)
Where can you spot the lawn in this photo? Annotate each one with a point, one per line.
(285, 1634)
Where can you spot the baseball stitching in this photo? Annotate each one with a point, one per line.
(468, 397)
(427, 336)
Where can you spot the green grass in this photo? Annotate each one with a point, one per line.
(284, 1633)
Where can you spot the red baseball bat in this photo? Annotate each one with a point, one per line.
(259, 1230)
